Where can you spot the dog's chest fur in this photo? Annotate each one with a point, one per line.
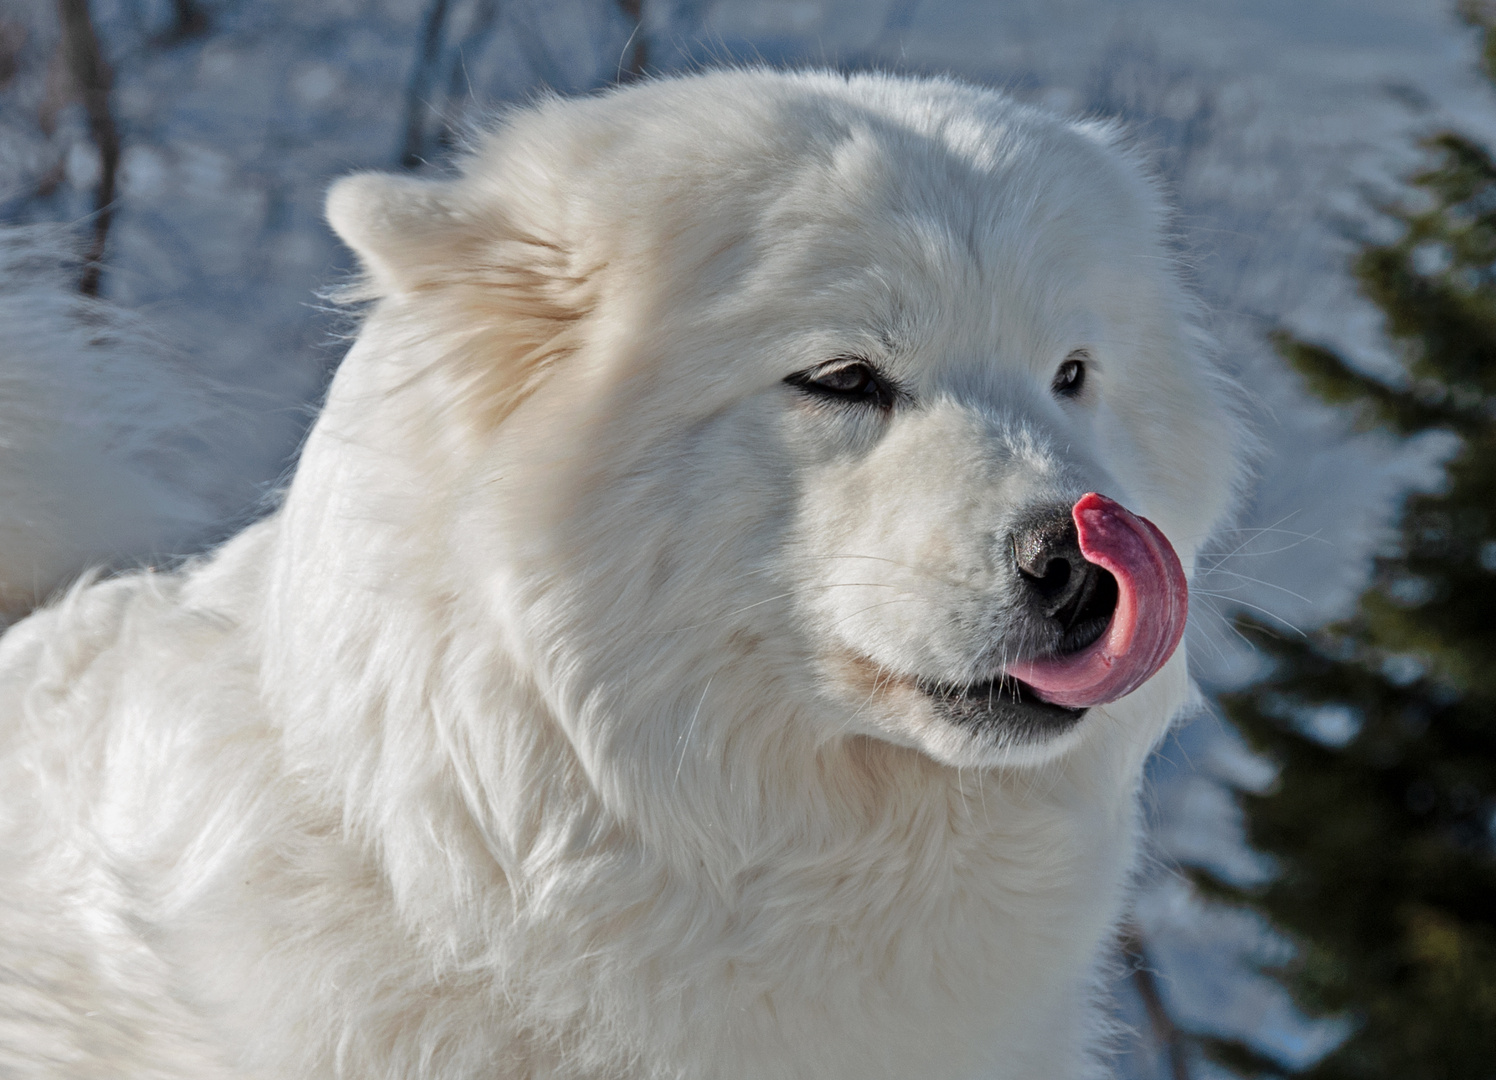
(906, 936)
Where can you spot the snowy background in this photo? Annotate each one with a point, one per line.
(1279, 125)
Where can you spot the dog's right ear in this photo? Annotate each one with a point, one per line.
(408, 233)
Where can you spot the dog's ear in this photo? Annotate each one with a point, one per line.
(511, 298)
(406, 232)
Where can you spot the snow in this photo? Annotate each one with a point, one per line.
(1279, 125)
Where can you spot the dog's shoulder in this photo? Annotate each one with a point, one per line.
(118, 676)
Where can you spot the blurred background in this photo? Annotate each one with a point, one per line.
(1319, 896)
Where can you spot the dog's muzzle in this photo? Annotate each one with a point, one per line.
(1112, 584)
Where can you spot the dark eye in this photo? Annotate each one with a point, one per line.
(1070, 379)
(852, 381)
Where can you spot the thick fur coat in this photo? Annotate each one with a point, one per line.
(572, 717)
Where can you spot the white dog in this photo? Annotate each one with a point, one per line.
(713, 630)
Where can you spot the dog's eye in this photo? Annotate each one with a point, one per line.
(854, 381)
(1070, 379)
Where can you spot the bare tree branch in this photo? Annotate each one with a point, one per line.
(92, 81)
(12, 41)
(1166, 1033)
(638, 44)
(422, 76)
(190, 21)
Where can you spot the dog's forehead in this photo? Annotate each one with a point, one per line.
(741, 206)
(733, 150)
(972, 204)
(976, 167)
(971, 224)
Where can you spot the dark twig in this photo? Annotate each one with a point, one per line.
(479, 28)
(638, 43)
(422, 76)
(1165, 1032)
(12, 41)
(190, 22)
(92, 80)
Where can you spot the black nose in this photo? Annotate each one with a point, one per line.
(1077, 596)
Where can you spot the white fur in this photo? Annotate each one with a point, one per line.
(561, 722)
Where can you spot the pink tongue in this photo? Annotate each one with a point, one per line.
(1152, 603)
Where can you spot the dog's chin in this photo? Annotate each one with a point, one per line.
(993, 723)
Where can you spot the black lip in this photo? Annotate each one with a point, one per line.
(1001, 703)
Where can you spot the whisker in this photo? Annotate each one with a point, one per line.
(870, 607)
(1253, 532)
(1249, 580)
(777, 596)
(685, 740)
(1238, 553)
(1255, 607)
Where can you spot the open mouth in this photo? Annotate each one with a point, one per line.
(1088, 616)
(1003, 700)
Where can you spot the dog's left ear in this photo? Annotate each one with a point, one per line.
(408, 233)
(515, 300)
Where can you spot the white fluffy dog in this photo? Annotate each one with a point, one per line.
(713, 630)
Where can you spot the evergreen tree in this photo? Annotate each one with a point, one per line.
(1383, 823)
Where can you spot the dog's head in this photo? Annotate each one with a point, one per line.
(867, 406)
